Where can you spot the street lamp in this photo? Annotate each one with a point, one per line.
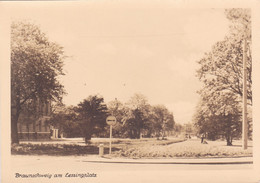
(244, 129)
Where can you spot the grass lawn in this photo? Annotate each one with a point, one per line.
(187, 149)
(135, 148)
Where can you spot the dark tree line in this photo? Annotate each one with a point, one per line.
(135, 119)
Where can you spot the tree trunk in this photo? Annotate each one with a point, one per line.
(88, 135)
(229, 143)
(228, 135)
(87, 138)
(14, 130)
(229, 140)
(138, 135)
(89, 132)
(15, 112)
(135, 134)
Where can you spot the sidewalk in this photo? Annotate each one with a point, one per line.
(240, 160)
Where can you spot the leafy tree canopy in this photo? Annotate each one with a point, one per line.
(36, 64)
(92, 112)
(221, 72)
(221, 69)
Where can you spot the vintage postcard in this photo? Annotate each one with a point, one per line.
(130, 91)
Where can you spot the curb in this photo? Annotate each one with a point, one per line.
(180, 163)
(176, 161)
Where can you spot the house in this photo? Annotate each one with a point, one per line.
(34, 125)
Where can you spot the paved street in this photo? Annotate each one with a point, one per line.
(120, 172)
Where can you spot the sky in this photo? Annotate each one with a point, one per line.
(116, 50)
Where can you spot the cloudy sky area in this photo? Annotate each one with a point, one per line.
(118, 50)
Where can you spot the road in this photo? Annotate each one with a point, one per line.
(123, 173)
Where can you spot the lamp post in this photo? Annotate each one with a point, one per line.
(244, 126)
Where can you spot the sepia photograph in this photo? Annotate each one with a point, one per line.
(128, 91)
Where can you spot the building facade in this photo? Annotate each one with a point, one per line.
(33, 125)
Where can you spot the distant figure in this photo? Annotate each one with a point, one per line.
(202, 138)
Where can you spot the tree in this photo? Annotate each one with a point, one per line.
(138, 118)
(222, 68)
(178, 129)
(36, 64)
(135, 124)
(161, 120)
(92, 113)
(219, 116)
(221, 71)
(138, 115)
(65, 119)
(122, 114)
